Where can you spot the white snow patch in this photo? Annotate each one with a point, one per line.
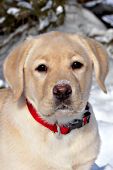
(108, 167)
(103, 104)
(13, 11)
(91, 3)
(59, 10)
(109, 2)
(2, 19)
(43, 24)
(48, 6)
(103, 109)
(25, 5)
(106, 152)
(2, 84)
(108, 19)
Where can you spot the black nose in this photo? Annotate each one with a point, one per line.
(62, 91)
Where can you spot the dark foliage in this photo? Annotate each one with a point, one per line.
(14, 13)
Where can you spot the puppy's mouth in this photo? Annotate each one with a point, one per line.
(63, 113)
(63, 107)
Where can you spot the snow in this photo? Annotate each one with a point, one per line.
(109, 2)
(25, 5)
(2, 19)
(106, 154)
(48, 6)
(108, 168)
(91, 3)
(102, 106)
(43, 23)
(13, 11)
(108, 19)
(59, 10)
(1, 83)
(103, 109)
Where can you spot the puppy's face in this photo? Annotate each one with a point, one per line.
(54, 70)
(58, 75)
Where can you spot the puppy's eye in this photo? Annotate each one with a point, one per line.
(41, 68)
(76, 65)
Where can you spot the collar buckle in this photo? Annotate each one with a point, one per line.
(86, 118)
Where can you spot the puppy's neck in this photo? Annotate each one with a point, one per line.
(63, 129)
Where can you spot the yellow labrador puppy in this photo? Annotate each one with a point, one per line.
(46, 121)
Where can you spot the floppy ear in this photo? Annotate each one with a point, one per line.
(99, 56)
(13, 67)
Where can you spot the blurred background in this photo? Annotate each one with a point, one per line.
(93, 18)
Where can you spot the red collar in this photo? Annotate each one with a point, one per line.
(76, 123)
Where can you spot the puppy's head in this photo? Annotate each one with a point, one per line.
(54, 71)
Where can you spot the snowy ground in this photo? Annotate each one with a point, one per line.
(103, 109)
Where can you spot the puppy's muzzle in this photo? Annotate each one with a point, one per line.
(62, 91)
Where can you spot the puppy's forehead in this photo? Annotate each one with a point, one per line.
(57, 44)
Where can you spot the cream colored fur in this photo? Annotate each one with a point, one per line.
(24, 143)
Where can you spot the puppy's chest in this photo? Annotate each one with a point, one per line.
(61, 151)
